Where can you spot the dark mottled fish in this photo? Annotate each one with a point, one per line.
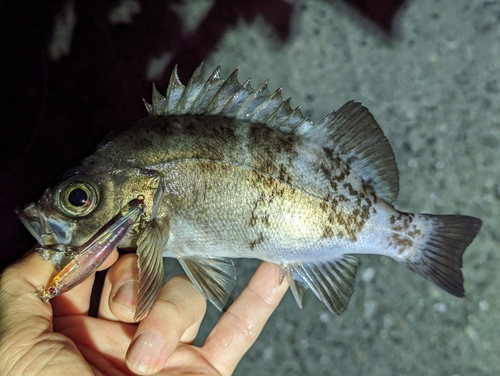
(228, 171)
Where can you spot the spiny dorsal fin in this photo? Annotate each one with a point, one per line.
(351, 133)
(215, 96)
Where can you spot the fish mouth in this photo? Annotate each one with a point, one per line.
(50, 234)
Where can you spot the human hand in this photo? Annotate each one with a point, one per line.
(61, 339)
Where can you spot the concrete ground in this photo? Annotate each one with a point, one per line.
(433, 84)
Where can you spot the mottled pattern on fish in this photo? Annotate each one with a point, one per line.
(228, 171)
(263, 165)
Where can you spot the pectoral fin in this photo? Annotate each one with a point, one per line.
(332, 282)
(214, 277)
(150, 247)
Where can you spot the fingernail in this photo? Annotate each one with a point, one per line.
(145, 351)
(126, 295)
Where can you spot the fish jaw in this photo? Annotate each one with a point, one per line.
(29, 217)
(48, 232)
(53, 235)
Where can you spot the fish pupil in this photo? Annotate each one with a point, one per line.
(78, 197)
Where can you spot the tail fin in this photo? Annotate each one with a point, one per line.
(440, 259)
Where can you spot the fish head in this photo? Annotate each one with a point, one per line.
(67, 215)
(70, 213)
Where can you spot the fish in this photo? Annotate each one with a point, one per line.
(227, 171)
(86, 261)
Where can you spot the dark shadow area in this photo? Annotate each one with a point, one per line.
(52, 114)
(380, 12)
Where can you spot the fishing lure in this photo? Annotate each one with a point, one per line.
(92, 255)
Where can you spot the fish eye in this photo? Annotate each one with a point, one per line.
(77, 197)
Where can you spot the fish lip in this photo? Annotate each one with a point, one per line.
(38, 226)
(29, 224)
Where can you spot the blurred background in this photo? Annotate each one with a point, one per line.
(73, 71)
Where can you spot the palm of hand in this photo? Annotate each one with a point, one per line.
(60, 338)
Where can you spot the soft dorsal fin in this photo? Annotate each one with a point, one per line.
(351, 133)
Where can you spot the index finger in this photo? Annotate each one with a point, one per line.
(239, 327)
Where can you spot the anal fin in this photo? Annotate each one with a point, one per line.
(332, 282)
(297, 285)
(214, 277)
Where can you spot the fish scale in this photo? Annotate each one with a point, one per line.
(227, 172)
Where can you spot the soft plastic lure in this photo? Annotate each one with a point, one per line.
(92, 255)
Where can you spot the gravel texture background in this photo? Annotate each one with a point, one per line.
(432, 81)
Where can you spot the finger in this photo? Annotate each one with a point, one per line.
(240, 326)
(94, 336)
(109, 261)
(77, 300)
(175, 317)
(23, 315)
(20, 283)
(119, 294)
(26, 341)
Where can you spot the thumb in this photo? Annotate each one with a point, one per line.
(24, 318)
(28, 344)
(19, 285)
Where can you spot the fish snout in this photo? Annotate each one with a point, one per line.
(29, 218)
(41, 229)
